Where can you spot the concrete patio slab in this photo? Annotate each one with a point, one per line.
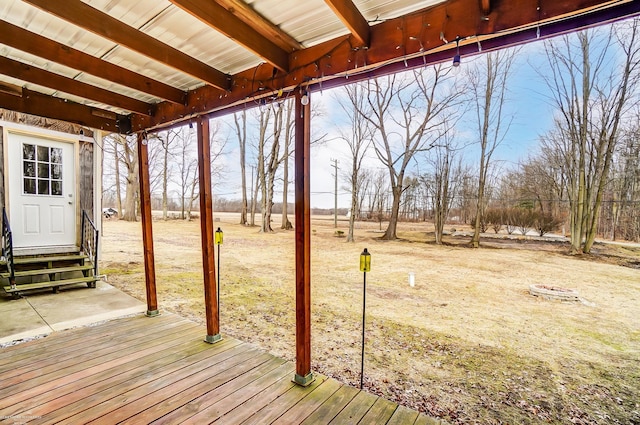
(40, 313)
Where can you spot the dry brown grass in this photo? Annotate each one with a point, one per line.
(467, 344)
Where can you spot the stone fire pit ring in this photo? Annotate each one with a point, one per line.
(554, 293)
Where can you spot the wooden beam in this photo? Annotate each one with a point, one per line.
(206, 232)
(102, 24)
(249, 16)
(222, 20)
(303, 374)
(35, 44)
(331, 61)
(351, 17)
(147, 230)
(34, 103)
(486, 7)
(38, 76)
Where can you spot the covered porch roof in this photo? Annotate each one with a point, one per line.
(124, 66)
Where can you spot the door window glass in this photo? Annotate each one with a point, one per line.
(41, 170)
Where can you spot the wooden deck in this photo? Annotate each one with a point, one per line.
(159, 370)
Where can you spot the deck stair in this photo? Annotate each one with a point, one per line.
(36, 272)
(29, 272)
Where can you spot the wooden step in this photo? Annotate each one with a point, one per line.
(37, 272)
(52, 259)
(56, 283)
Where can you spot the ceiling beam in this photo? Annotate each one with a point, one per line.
(393, 41)
(34, 103)
(57, 82)
(485, 6)
(40, 46)
(352, 19)
(220, 19)
(250, 16)
(93, 20)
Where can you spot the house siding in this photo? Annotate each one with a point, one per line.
(2, 167)
(86, 178)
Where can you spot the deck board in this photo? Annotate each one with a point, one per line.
(380, 412)
(309, 404)
(403, 415)
(332, 406)
(26, 367)
(159, 370)
(37, 381)
(215, 403)
(74, 390)
(68, 339)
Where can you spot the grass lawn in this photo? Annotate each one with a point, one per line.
(467, 343)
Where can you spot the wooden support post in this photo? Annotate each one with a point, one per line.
(147, 231)
(206, 230)
(303, 374)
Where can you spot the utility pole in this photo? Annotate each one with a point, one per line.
(253, 205)
(335, 210)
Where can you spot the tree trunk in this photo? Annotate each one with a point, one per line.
(254, 197)
(286, 224)
(390, 233)
(354, 199)
(117, 171)
(241, 131)
(165, 179)
(130, 198)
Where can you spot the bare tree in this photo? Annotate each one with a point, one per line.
(378, 196)
(255, 184)
(126, 151)
(167, 140)
(358, 138)
(187, 170)
(288, 140)
(274, 138)
(447, 172)
(186, 162)
(240, 120)
(625, 185)
(365, 177)
(408, 112)
(111, 170)
(592, 93)
(265, 166)
(488, 80)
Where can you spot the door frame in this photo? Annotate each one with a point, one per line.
(39, 133)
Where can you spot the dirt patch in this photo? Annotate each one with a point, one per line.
(467, 343)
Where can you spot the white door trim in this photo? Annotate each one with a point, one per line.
(47, 135)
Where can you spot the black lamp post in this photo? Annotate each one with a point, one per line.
(218, 241)
(365, 266)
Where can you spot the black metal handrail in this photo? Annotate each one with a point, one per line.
(7, 247)
(89, 240)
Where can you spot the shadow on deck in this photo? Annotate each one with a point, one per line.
(159, 370)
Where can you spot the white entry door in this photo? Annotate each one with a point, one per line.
(42, 198)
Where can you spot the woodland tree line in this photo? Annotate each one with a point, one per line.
(407, 161)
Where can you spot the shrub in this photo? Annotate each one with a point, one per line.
(546, 223)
